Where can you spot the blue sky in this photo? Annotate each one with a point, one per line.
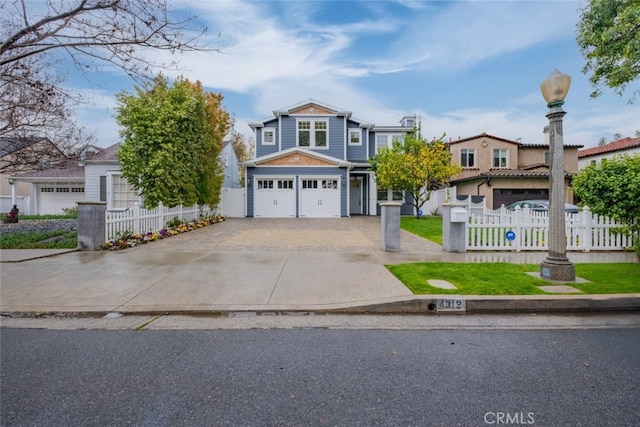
(463, 67)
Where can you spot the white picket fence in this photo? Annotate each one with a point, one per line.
(138, 220)
(585, 231)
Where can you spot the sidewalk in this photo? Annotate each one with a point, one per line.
(256, 265)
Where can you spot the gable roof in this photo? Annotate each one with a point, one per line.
(107, 154)
(308, 107)
(296, 150)
(10, 145)
(619, 145)
(519, 144)
(483, 135)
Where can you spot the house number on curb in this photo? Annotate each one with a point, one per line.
(451, 304)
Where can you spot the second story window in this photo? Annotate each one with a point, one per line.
(354, 137)
(313, 133)
(387, 139)
(268, 136)
(468, 158)
(500, 158)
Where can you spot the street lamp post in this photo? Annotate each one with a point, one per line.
(556, 266)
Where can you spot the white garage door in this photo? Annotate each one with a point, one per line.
(320, 197)
(274, 198)
(53, 199)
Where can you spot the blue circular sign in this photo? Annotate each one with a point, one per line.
(510, 235)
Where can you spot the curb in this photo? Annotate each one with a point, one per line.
(421, 305)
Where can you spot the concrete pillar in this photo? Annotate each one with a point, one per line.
(92, 222)
(390, 226)
(454, 227)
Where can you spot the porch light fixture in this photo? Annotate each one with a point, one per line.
(556, 266)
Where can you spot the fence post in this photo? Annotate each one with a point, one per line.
(517, 218)
(136, 217)
(587, 221)
(92, 218)
(160, 218)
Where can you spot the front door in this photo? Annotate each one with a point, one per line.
(355, 196)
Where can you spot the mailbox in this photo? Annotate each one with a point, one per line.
(459, 215)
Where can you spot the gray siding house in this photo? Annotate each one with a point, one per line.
(311, 161)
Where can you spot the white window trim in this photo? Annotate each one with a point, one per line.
(475, 157)
(392, 136)
(270, 129)
(390, 196)
(312, 133)
(359, 131)
(493, 157)
(110, 191)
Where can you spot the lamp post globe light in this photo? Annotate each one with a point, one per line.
(556, 266)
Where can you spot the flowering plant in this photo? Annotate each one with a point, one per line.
(128, 239)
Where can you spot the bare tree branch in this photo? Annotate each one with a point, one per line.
(36, 38)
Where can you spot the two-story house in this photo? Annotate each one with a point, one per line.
(311, 161)
(506, 171)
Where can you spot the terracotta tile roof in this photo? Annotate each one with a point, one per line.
(507, 173)
(482, 135)
(619, 145)
(519, 144)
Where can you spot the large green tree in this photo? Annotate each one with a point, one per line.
(612, 188)
(609, 38)
(415, 166)
(172, 138)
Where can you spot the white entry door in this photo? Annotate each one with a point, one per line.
(274, 197)
(320, 197)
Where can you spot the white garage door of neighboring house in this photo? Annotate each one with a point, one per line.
(320, 197)
(274, 197)
(53, 199)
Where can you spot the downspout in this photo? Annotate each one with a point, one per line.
(487, 181)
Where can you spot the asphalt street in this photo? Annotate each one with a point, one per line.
(587, 376)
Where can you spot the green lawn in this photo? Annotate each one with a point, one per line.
(427, 227)
(510, 279)
(59, 239)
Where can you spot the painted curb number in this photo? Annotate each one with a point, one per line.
(451, 304)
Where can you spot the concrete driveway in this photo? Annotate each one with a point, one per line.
(240, 264)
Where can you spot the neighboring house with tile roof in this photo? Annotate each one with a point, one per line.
(506, 171)
(588, 156)
(98, 178)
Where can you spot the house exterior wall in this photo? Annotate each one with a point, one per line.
(524, 162)
(583, 162)
(532, 156)
(483, 147)
(230, 167)
(92, 174)
(297, 173)
(285, 158)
